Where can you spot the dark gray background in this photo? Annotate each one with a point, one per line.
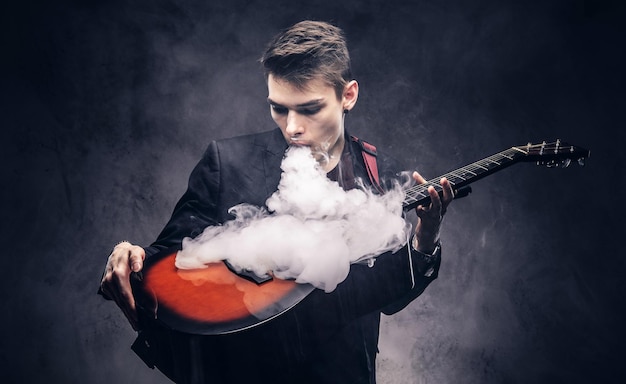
(106, 107)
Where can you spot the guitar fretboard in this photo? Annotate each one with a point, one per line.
(418, 194)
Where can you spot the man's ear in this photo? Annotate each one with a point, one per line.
(350, 95)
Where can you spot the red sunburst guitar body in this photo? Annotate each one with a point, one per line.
(210, 301)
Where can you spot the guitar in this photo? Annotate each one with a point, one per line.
(218, 300)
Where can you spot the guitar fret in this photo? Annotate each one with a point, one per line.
(411, 194)
(454, 179)
(495, 159)
(511, 154)
(466, 173)
(493, 163)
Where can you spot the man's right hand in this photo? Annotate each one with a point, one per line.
(124, 259)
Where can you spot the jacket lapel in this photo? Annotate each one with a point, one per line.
(272, 158)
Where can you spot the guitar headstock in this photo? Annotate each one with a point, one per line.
(555, 154)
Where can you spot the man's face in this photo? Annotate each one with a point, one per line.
(312, 116)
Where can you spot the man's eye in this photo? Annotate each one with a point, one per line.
(310, 111)
(278, 109)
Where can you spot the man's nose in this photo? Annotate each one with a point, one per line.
(295, 124)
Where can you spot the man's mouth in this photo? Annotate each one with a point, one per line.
(299, 143)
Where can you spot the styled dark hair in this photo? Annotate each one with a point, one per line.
(309, 50)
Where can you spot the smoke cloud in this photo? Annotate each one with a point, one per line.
(311, 231)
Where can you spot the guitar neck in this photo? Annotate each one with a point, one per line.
(459, 178)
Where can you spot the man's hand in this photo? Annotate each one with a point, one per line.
(124, 259)
(430, 217)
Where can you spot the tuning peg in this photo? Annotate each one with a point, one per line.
(581, 161)
(565, 163)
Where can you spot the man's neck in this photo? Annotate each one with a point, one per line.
(334, 155)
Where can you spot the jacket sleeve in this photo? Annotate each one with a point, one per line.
(197, 208)
(424, 269)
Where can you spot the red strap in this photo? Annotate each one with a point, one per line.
(369, 158)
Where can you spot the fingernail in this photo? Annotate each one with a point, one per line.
(135, 267)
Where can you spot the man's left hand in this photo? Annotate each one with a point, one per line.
(430, 217)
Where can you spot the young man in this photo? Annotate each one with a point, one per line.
(328, 337)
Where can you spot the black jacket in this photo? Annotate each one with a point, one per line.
(327, 338)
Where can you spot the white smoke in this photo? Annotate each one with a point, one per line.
(312, 233)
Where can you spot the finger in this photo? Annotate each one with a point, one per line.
(117, 281)
(110, 286)
(124, 298)
(435, 200)
(107, 277)
(448, 193)
(136, 258)
(418, 178)
(433, 209)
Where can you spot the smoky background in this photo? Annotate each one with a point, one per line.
(107, 106)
